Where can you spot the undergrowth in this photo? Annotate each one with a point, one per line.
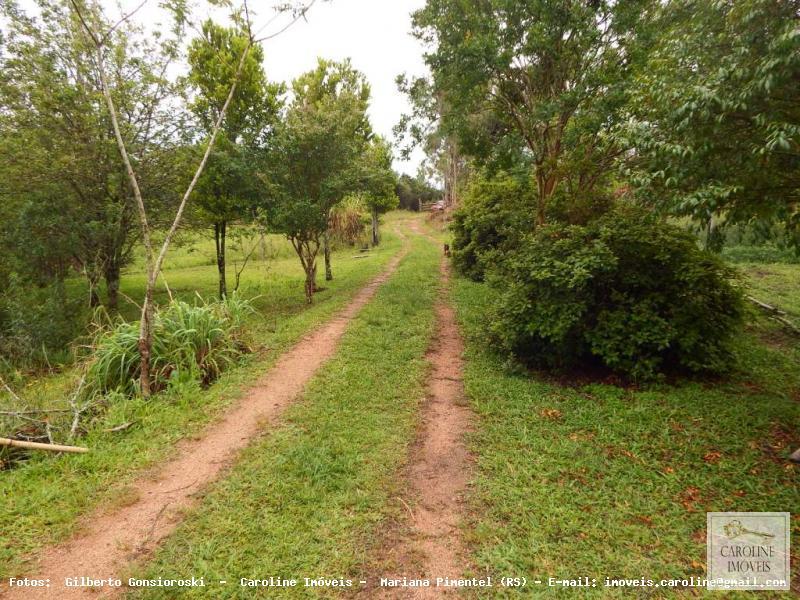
(195, 342)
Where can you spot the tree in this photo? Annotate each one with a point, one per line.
(542, 76)
(426, 127)
(228, 188)
(377, 181)
(60, 163)
(413, 191)
(99, 36)
(715, 117)
(313, 162)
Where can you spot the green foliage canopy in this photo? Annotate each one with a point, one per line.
(536, 79)
(313, 164)
(715, 117)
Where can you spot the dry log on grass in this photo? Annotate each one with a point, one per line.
(38, 446)
(775, 313)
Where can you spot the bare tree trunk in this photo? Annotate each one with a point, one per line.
(327, 250)
(308, 258)
(146, 343)
(541, 199)
(154, 265)
(111, 273)
(93, 277)
(220, 230)
(375, 237)
(309, 286)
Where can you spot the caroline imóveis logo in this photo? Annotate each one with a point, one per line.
(748, 551)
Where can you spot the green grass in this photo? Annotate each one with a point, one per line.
(41, 499)
(305, 500)
(776, 284)
(597, 480)
(762, 253)
(190, 270)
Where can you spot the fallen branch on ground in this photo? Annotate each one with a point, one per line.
(38, 446)
(775, 313)
(122, 427)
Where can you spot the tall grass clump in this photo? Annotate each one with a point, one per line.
(195, 341)
(348, 221)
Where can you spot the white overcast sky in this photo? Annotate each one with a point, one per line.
(375, 34)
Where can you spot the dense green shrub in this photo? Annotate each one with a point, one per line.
(197, 342)
(38, 323)
(634, 294)
(494, 212)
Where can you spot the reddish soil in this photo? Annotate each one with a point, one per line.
(111, 541)
(429, 544)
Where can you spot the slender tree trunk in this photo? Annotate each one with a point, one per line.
(375, 237)
(111, 273)
(314, 287)
(541, 193)
(327, 250)
(310, 286)
(154, 261)
(308, 258)
(311, 276)
(146, 343)
(93, 277)
(220, 232)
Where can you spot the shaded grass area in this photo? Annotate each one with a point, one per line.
(602, 481)
(767, 252)
(42, 498)
(304, 500)
(776, 284)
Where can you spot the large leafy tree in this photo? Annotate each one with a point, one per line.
(61, 177)
(537, 79)
(228, 189)
(715, 117)
(316, 150)
(425, 127)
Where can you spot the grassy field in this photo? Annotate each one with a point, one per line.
(42, 498)
(304, 501)
(603, 481)
(777, 284)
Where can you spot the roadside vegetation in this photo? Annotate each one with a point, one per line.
(617, 184)
(619, 478)
(71, 486)
(626, 233)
